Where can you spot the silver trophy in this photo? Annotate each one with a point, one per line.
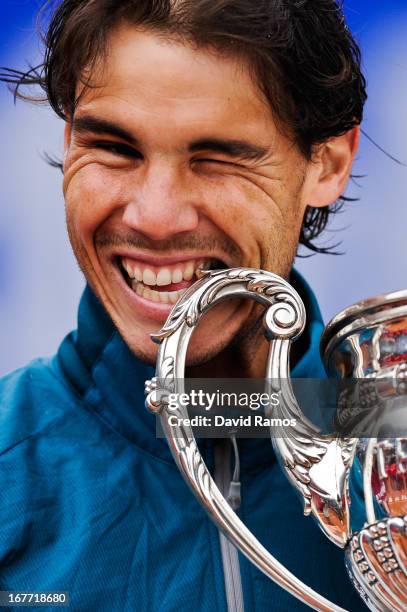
(367, 343)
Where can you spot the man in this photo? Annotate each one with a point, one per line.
(204, 133)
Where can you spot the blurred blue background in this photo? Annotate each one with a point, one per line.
(39, 278)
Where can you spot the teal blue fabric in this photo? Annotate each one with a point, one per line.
(92, 503)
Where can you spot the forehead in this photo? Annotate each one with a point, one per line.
(156, 79)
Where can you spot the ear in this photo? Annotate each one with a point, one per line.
(330, 168)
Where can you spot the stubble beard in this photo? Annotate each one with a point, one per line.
(241, 348)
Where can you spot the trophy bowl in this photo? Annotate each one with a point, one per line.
(354, 480)
(367, 342)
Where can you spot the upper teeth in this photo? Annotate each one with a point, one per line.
(166, 275)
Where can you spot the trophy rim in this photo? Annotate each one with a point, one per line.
(368, 312)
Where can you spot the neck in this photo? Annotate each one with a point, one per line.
(235, 362)
(244, 359)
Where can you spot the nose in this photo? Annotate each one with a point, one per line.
(161, 204)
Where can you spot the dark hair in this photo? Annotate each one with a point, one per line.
(301, 54)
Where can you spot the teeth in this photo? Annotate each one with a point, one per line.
(177, 275)
(138, 288)
(189, 271)
(128, 269)
(160, 277)
(138, 274)
(164, 277)
(165, 297)
(149, 277)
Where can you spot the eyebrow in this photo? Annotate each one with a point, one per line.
(88, 123)
(238, 149)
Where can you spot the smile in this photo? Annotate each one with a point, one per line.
(164, 284)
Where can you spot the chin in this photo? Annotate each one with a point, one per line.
(199, 353)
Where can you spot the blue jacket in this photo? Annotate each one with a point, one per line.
(92, 503)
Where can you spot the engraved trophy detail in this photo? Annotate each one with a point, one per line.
(360, 342)
(368, 342)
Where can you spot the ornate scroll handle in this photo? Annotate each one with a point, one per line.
(284, 320)
(317, 466)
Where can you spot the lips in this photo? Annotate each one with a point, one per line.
(163, 284)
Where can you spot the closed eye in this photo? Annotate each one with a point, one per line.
(210, 160)
(118, 148)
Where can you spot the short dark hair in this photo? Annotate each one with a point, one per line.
(301, 54)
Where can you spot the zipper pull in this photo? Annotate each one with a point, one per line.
(234, 496)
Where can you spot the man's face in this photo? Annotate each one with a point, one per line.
(174, 162)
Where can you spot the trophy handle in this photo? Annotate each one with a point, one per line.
(317, 466)
(284, 321)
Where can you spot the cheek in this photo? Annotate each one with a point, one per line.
(91, 196)
(238, 209)
(248, 215)
(264, 218)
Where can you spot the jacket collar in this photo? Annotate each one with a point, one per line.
(109, 379)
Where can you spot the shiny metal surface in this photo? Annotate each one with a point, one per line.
(367, 337)
(316, 465)
(355, 487)
(284, 319)
(368, 341)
